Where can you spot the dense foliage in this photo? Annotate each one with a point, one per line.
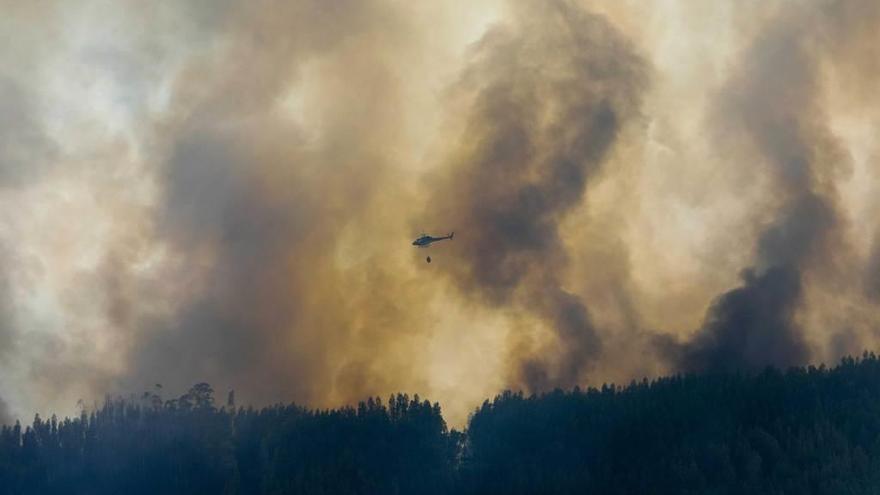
(807, 430)
(189, 446)
(804, 431)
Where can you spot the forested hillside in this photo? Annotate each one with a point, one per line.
(802, 431)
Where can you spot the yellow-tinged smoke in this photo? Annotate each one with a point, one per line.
(227, 192)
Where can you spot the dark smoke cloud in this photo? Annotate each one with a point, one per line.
(237, 323)
(754, 325)
(548, 94)
(773, 102)
(256, 208)
(219, 191)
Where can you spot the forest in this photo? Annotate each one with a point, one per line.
(812, 430)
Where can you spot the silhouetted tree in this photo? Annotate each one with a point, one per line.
(806, 431)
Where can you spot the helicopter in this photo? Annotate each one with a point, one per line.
(425, 240)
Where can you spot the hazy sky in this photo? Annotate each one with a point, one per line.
(227, 191)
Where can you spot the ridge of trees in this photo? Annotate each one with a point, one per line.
(803, 430)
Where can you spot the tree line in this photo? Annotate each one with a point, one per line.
(812, 430)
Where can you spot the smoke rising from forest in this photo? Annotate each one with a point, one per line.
(227, 192)
(549, 93)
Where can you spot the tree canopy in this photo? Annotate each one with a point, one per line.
(803, 430)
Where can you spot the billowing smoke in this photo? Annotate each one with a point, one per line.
(753, 326)
(547, 94)
(772, 105)
(256, 207)
(203, 229)
(226, 192)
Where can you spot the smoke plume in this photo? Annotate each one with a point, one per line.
(773, 105)
(227, 192)
(261, 205)
(547, 94)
